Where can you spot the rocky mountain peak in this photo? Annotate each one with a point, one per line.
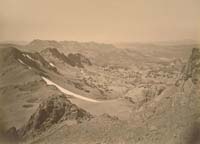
(54, 110)
(195, 65)
(192, 68)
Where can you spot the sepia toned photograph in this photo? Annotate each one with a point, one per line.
(99, 71)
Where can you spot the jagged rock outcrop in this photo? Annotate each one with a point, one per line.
(79, 60)
(76, 59)
(191, 70)
(144, 94)
(53, 52)
(53, 110)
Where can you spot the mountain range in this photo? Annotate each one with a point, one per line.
(72, 92)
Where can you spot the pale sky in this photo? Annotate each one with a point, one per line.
(100, 20)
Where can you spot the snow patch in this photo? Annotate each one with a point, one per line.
(24, 63)
(21, 61)
(51, 64)
(29, 57)
(48, 82)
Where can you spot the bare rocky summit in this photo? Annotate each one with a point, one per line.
(54, 110)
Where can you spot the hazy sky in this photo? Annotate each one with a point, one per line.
(100, 20)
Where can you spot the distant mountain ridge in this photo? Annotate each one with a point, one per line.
(75, 59)
(97, 53)
(126, 54)
(42, 44)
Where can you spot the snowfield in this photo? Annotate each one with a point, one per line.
(26, 55)
(21, 61)
(49, 82)
(52, 64)
(24, 63)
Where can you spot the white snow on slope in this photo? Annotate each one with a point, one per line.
(24, 63)
(21, 61)
(26, 55)
(29, 57)
(69, 92)
(52, 64)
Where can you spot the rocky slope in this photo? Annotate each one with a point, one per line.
(173, 117)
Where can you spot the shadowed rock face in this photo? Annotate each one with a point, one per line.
(55, 53)
(192, 69)
(76, 59)
(194, 66)
(54, 109)
(79, 59)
